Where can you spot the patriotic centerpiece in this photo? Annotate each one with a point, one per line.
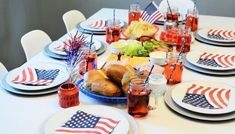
(68, 92)
(207, 97)
(84, 123)
(75, 55)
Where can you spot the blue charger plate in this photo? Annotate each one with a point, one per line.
(108, 99)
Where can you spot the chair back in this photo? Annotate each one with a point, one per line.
(33, 42)
(72, 18)
(3, 71)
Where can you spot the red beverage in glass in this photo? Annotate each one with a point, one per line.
(138, 101)
(112, 34)
(173, 71)
(91, 61)
(133, 16)
(192, 23)
(82, 67)
(134, 13)
(179, 43)
(173, 16)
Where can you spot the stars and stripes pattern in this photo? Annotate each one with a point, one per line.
(221, 34)
(207, 97)
(100, 24)
(216, 60)
(151, 13)
(84, 123)
(32, 76)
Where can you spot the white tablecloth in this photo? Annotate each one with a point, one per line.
(26, 115)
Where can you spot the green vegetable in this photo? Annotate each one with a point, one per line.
(149, 46)
(132, 48)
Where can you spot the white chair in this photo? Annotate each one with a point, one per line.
(72, 18)
(182, 5)
(33, 42)
(3, 71)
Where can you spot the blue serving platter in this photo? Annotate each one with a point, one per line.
(108, 99)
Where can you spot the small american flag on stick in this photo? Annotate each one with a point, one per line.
(84, 123)
(151, 13)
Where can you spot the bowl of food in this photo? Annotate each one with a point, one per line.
(118, 47)
(109, 84)
(140, 28)
(157, 57)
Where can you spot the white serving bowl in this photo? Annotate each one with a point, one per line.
(157, 57)
(118, 47)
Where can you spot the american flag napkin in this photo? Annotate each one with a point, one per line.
(99, 24)
(32, 76)
(216, 60)
(221, 34)
(207, 97)
(65, 46)
(151, 13)
(84, 123)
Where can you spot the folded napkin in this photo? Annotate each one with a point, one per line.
(207, 97)
(64, 47)
(84, 123)
(32, 76)
(216, 60)
(221, 34)
(100, 24)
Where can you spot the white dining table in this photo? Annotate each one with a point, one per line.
(27, 114)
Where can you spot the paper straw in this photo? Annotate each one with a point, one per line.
(91, 42)
(147, 79)
(182, 49)
(169, 7)
(114, 16)
(178, 57)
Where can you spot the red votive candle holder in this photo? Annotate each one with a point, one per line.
(68, 95)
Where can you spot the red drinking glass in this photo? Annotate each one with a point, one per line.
(113, 31)
(172, 14)
(173, 69)
(192, 19)
(186, 35)
(139, 98)
(134, 13)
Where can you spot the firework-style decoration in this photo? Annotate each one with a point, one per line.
(75, 54)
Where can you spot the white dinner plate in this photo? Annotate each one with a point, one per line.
(212, 60)
(8, 88)
(205, 97)
(85, 25)
(204, 117)
(53, 47)
(208, 71)
(62, 76)
(53, 55)
(226, 35)
(203, 40)
(59, 118)
(97, 44)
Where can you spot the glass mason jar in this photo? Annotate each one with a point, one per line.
(134, 13)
